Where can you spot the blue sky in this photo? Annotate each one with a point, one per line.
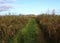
(30, 6)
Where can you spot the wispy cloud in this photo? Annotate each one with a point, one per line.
(6, 5)
(6, 1)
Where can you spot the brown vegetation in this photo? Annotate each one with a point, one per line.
(50, 26)
(9, 25)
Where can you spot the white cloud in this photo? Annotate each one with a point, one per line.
(6, 1)
(5, 7)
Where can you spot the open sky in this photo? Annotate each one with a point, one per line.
(29, 6)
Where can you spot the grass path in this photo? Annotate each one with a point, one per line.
(29, 32)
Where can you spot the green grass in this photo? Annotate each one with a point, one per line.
(29, 32)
